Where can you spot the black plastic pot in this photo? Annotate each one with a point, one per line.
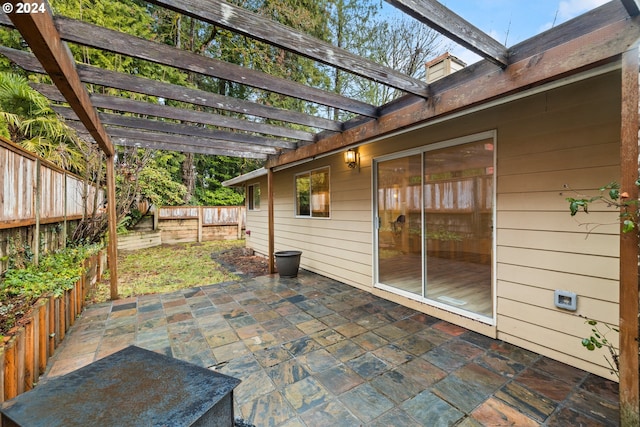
(287, 263)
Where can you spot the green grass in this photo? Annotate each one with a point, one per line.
(167, 268)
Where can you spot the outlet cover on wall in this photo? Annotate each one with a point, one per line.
(565, 299)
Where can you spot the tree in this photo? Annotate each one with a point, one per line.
(405, 45)
(27, 119)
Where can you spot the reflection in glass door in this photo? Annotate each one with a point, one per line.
(435, 225)
(400, 223)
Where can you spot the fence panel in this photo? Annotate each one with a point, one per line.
(18, 179)
(63, 196)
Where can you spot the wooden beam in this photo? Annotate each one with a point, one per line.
(128, 105)
(590, 50)
(629, 379)
(41, 35)
(200, 97)
(114, 41)
(632, 6)
(159, 145)
(112, 248)
(90, 35)
(252, 25)
(113, 79)
(111, 120)
(180, 141)
(174, 142)
(443, 20)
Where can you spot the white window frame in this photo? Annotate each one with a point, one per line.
(295, 193)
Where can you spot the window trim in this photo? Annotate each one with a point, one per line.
(251, 197)
(295, 193)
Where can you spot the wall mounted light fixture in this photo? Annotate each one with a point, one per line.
(351, 158)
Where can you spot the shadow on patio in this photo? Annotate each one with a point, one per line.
(312, 351)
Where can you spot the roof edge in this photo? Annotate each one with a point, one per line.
(241, 179)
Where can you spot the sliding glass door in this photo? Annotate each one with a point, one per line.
(435, 224)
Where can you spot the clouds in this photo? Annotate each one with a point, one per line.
(568, 9)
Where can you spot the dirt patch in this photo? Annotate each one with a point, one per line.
(243, 261)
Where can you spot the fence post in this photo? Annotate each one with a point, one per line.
(64, 221)
(200, 224)
(240, 221)
(38, 201)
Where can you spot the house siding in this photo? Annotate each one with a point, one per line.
(566, 136)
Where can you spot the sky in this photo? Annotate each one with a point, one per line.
(515, 20)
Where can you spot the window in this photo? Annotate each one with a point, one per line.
(312, 193)
(253, 197)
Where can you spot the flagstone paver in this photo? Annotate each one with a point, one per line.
(311, 351)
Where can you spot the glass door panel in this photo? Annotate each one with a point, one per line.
(399, 202)
(458, 218)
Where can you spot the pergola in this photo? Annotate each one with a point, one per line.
(604, 35)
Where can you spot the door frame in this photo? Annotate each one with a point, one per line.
(422, 150)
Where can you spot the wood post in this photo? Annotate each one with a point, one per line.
(113, 222)
(241, 214)
(199, 224)
(52, 325)
(38, 203)
(10, 371)
(65, 224)
(20, 360)
(30, 349)
(271, 238)
(629, 380)
(43, 338)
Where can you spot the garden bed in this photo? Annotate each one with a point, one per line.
(38, 331)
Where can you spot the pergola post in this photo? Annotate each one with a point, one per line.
(271, 227)
(112, 249)
(629, 380)
(40, 33)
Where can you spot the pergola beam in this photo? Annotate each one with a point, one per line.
(252, 25)
(632, 6)
(127, 105)
(160, 145)
(446, 22)
(181, 143)
(111, 120)
(127, 82)
(90, 35)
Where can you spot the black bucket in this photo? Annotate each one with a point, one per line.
(287, 263)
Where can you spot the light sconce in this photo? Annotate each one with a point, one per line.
(351, 158)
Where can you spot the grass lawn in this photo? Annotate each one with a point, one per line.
(167, 268)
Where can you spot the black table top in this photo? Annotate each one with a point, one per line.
(133, 387)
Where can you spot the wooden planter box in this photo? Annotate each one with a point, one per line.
(139, 240)
(27, 348)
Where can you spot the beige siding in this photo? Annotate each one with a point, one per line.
(257, 230)
(550, 146)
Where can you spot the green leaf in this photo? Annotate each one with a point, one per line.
(614, 193)
(628, 225)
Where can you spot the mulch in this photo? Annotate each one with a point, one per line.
(242, 261)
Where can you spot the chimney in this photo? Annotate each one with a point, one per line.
(442, 66)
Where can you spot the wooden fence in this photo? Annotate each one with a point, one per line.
(200, 223)
(38, 201)
(180, 224)
(27, 348)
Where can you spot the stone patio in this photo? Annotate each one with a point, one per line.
(312, 351)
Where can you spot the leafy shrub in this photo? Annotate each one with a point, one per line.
(56, 273)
